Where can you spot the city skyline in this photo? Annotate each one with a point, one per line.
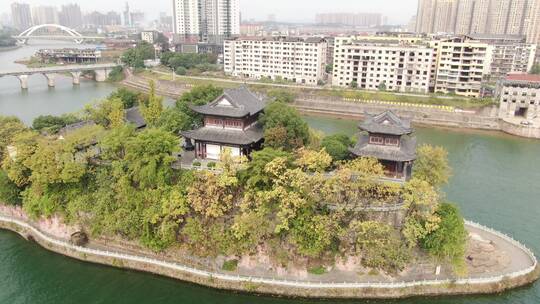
(398, 12)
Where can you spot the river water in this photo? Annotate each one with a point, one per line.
(495, 182)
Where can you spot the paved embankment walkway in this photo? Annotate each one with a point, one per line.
(522, 270)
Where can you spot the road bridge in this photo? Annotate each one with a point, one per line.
(35, 32)
(101, 73)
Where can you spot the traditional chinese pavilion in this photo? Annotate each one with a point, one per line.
(230, 121)
(391, 140)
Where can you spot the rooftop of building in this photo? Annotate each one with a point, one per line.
(75, 126)
(405, 151)
(500, 37)
(523, 77)
(133, 116)
(280, 39)
(235, 103)
(387, 123)
(241, 137)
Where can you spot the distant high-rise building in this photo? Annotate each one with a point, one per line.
(127, 16)
(71, 16)
(137, 18)
(533, 25)
(21, 15)
(97, 19)
(44, 15)
(499, 17)
(210, 20)
(360, 19)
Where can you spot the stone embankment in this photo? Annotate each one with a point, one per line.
(521, 270)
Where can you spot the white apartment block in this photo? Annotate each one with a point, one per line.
(186, 17)
(294, 59)
(206, 17)
(398, 65)
(462, 66)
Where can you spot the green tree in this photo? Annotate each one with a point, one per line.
(53, 124)
(536, 69)
(337, 146)
(9, 192)
(432, 166)
(9, 128)
(103, 111)
(152, 109)
(382, 86)
(173, 120)
(181, 71)
(379, 246)
(149, 155)
(129, 98)
(314, 234)
(329, 68)
(421, 201)
(254, 175)
(281, 95)
(116, 74)
(136, 56)
(448, 241)
(199, 95)
(284, 127)
(354, 85)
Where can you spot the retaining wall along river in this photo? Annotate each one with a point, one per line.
(298, 288)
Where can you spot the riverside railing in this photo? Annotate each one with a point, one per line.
(289, 283)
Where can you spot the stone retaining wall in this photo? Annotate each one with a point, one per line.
(484, 119)
(272, 286)
(519, 130)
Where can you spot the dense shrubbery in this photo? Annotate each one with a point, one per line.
(52, 124)
(183, 64)
(117, 74)
(136, 56)
(279, 201)
(283, 127)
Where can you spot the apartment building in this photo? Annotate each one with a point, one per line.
(510, 54)
(501, 17)
(461, 66)
(209, 20)
(351, 19)
(372, 64)
(520, 97)
(289, 58)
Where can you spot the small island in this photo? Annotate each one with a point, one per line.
(233, 190)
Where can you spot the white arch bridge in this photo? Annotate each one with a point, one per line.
(101, 73)
(36, 32)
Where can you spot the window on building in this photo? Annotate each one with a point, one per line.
(377, 140)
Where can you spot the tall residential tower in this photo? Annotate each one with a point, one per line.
(21, 15)
(206, 20)
(500, 17)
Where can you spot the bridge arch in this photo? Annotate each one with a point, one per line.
(23, 37)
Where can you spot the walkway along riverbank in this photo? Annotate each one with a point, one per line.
(423, 114)
(292, 288)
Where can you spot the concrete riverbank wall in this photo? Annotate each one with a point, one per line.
(273, 286)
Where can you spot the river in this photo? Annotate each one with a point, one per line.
(495, 182)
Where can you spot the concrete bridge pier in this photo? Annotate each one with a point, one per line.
(76, 77)
(50, 78)
(102, 75)
(24, 81)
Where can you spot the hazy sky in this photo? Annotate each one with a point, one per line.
(398, 11)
